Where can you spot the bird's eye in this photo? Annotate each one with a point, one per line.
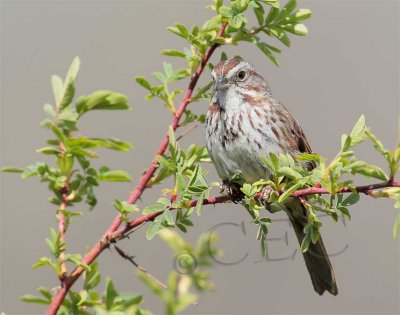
(241, 75)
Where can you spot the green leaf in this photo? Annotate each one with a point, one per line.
(68, 93)
(377, 143)
(153, 208)
(164, 201)
(179, 30)
(305, 243)
(110, 293)
(272, 15)
(64, 98)
(48, 150)
(65, 163)
(45, 293)
(368, 170)
(159, 76)
(173, 53)
(358, 133)
(308, 157)
(275, 161)
(114, 176)
(34, 299)
(88, 143)
(11, 169)
(345, 212)
(259, 13)
(92, 277)
(171, 136)
(346, 142)
(124, 207)
(153, 228)
(143, 82)
(199, 203)
(73, 68)
(396, 227)
(118, 205)
(266, 50)
(289, 172)
(168, 217)
(43, 261)
(34, 170)
(180, 182)
(57, 85)
(297, 29)
(68, 115)
(49, 110)
(76, 260)
(352, 199)
(314, 234)
(300, 15)
(287, 9)
(102, 99)
(288, 192)
(281, 35)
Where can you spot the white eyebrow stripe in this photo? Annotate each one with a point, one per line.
(234, 69)
(223, 67)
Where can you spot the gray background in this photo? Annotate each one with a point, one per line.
(348, 65)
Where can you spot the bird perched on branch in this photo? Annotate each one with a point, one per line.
(244, 122)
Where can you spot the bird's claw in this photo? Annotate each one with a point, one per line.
(233, 190)
(265, 195)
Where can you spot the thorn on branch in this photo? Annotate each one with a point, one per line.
(126, 256)
(187, 131)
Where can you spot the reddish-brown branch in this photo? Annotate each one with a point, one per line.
(140, 187)
(62, 228)
(366, 189)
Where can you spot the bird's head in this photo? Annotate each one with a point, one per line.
(236, 80)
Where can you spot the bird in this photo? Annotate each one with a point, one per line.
(245, 122)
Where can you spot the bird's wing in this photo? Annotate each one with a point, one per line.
(294, 139)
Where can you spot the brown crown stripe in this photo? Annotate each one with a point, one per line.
(225, 66)
(218, 68)
(229, 65)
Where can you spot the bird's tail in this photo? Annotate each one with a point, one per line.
(316, 258)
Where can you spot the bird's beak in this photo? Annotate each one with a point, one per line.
(220, 83)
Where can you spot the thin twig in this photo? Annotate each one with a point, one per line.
(187, 131)
(126, 256)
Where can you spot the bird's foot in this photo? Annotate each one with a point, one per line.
(265, 195)
(233, 190)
